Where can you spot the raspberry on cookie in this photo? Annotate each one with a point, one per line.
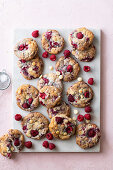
(27, 97)
(26, 49)
(52, 41)
(35, 125)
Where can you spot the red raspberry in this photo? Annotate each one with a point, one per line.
(53, 57)
(51, 146)
(79, 35)
(23, 61)
(25, 105)
(21, 47)
(88, 109)
(69, 129)
(42, 95)
(90, 81)
(86, 68)
(30, 100)
(71, 98)
(80, 118)
(87, 116)
(49, 136)
(69, 68)
(34, 133)
(28, 144)
(91, 132)
(18, 117)
(86, 94)
(67, 53)
(59, 120)
(16, 142)
(35, 33)
(45, 144)
(45, 54)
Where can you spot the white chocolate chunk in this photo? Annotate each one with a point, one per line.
(76, 112)
(79, 79)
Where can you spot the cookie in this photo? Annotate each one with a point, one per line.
(50, 79)
(81, 39)
(63, 108)
(86, 55)
(26, 49)
(68, 68)
(52, 41)
(80, 94)
(88, 135)
(27, 97)
(10, 142)
(35, 125)
(50, 96)
(62, 127)
(31, 69)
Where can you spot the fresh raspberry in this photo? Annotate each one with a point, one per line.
(79, 35)
(80, 118)
(71, 98)
(88, 109)
(45, 144)
(49, 136)
(21, 47)
(30, 100)
(69, 129)
(46, 80)
(28, 144)
(18, 117)
(35, 33)
(91, 132)
(16, 142)
(74, 46)
(25, 105)
(87, 116)
(42, 95)
(86, 94)
(86, 68)
(69, 68)
(67, 53)
(45, 54)
(34, 133)
(51, 146)
(90, 81)
(53, 57)
(23, 61)
(59, 120)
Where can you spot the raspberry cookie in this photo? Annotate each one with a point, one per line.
(50, 96)
(10, 142)
(31, 69)
(86, 55)
(88, 135)
(35, 125)
(52, 41)
(81, 39)
(68, 68)
(80, 94)
(26, 49)
(62, 126)
(63, 108)
(27, 97)
(50, 79)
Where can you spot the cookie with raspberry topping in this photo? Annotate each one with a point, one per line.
(80, 94)
(86, 55)
(62, 127)
(27, 97)
(81, 39)
(88, 135)
(50, 79)
(26, 49)
(10, 142)
(68, 68)
(31, 69)
(63, 108)
(52, 41)
(35, 125)
(50, 96)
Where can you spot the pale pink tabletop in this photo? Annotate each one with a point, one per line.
(63, 14)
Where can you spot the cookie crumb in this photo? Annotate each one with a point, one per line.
(61, 77)
(79, 79)
(88, 121)
(51, 67)
(76, 112)
(57, 73)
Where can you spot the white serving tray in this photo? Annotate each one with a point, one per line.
(61, 145)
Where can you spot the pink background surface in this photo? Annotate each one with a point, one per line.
(63, 14)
